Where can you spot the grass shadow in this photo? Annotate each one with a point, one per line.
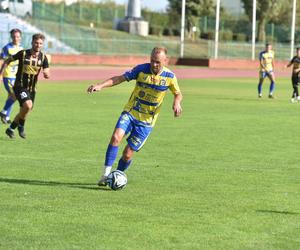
(277, 212)
(6, 138)
(243, 99)
(89, 186)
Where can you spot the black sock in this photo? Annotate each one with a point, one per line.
(295, 92)
(13, 125)
(21, 122)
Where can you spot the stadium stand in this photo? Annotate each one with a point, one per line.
(52, 44)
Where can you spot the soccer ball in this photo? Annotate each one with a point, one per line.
(116, 180)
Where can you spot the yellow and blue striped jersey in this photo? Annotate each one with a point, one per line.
(7, 51)
(266, 59)
(145, 101)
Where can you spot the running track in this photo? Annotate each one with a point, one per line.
(103, 72)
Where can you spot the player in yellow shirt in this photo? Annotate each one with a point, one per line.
(140, 113)
(266, 60)
(9, 74)
(295, 75)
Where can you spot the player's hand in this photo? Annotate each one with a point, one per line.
(177, 109)
(93, 88)
(46, 74)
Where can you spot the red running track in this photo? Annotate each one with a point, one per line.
(102, 72)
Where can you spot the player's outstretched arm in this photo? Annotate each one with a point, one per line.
(289, 64)
(177, 104)
(106, 84)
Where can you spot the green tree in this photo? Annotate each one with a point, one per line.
(194, 10)
(266, 11)
(158, 21)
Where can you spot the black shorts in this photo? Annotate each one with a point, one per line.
(23, 95)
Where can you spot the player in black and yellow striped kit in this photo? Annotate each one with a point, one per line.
(31, 62)
(295, 75)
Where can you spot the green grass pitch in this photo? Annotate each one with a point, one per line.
(225, 175)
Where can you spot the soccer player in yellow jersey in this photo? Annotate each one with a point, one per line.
(140, 113)
(266, 59)
(295, 75)
(9, 75)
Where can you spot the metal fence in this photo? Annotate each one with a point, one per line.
(83, 14)
(241, 30)
(199, 49)
(237, 50)
(101, 39)
(119, 46)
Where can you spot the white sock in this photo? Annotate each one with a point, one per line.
(107, 170)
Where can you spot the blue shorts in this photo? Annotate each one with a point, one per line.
(8, 84)
(264, 74)
(138, 132)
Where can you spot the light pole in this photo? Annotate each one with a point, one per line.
(293, 29)
(182, 29)
(253, 29)
(217, 29)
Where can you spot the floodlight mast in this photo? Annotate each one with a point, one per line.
(293, 28)
(182, 28)
(253, 29)
(217, 29)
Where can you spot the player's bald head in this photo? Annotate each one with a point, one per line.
(159, 50)
(158, 59)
